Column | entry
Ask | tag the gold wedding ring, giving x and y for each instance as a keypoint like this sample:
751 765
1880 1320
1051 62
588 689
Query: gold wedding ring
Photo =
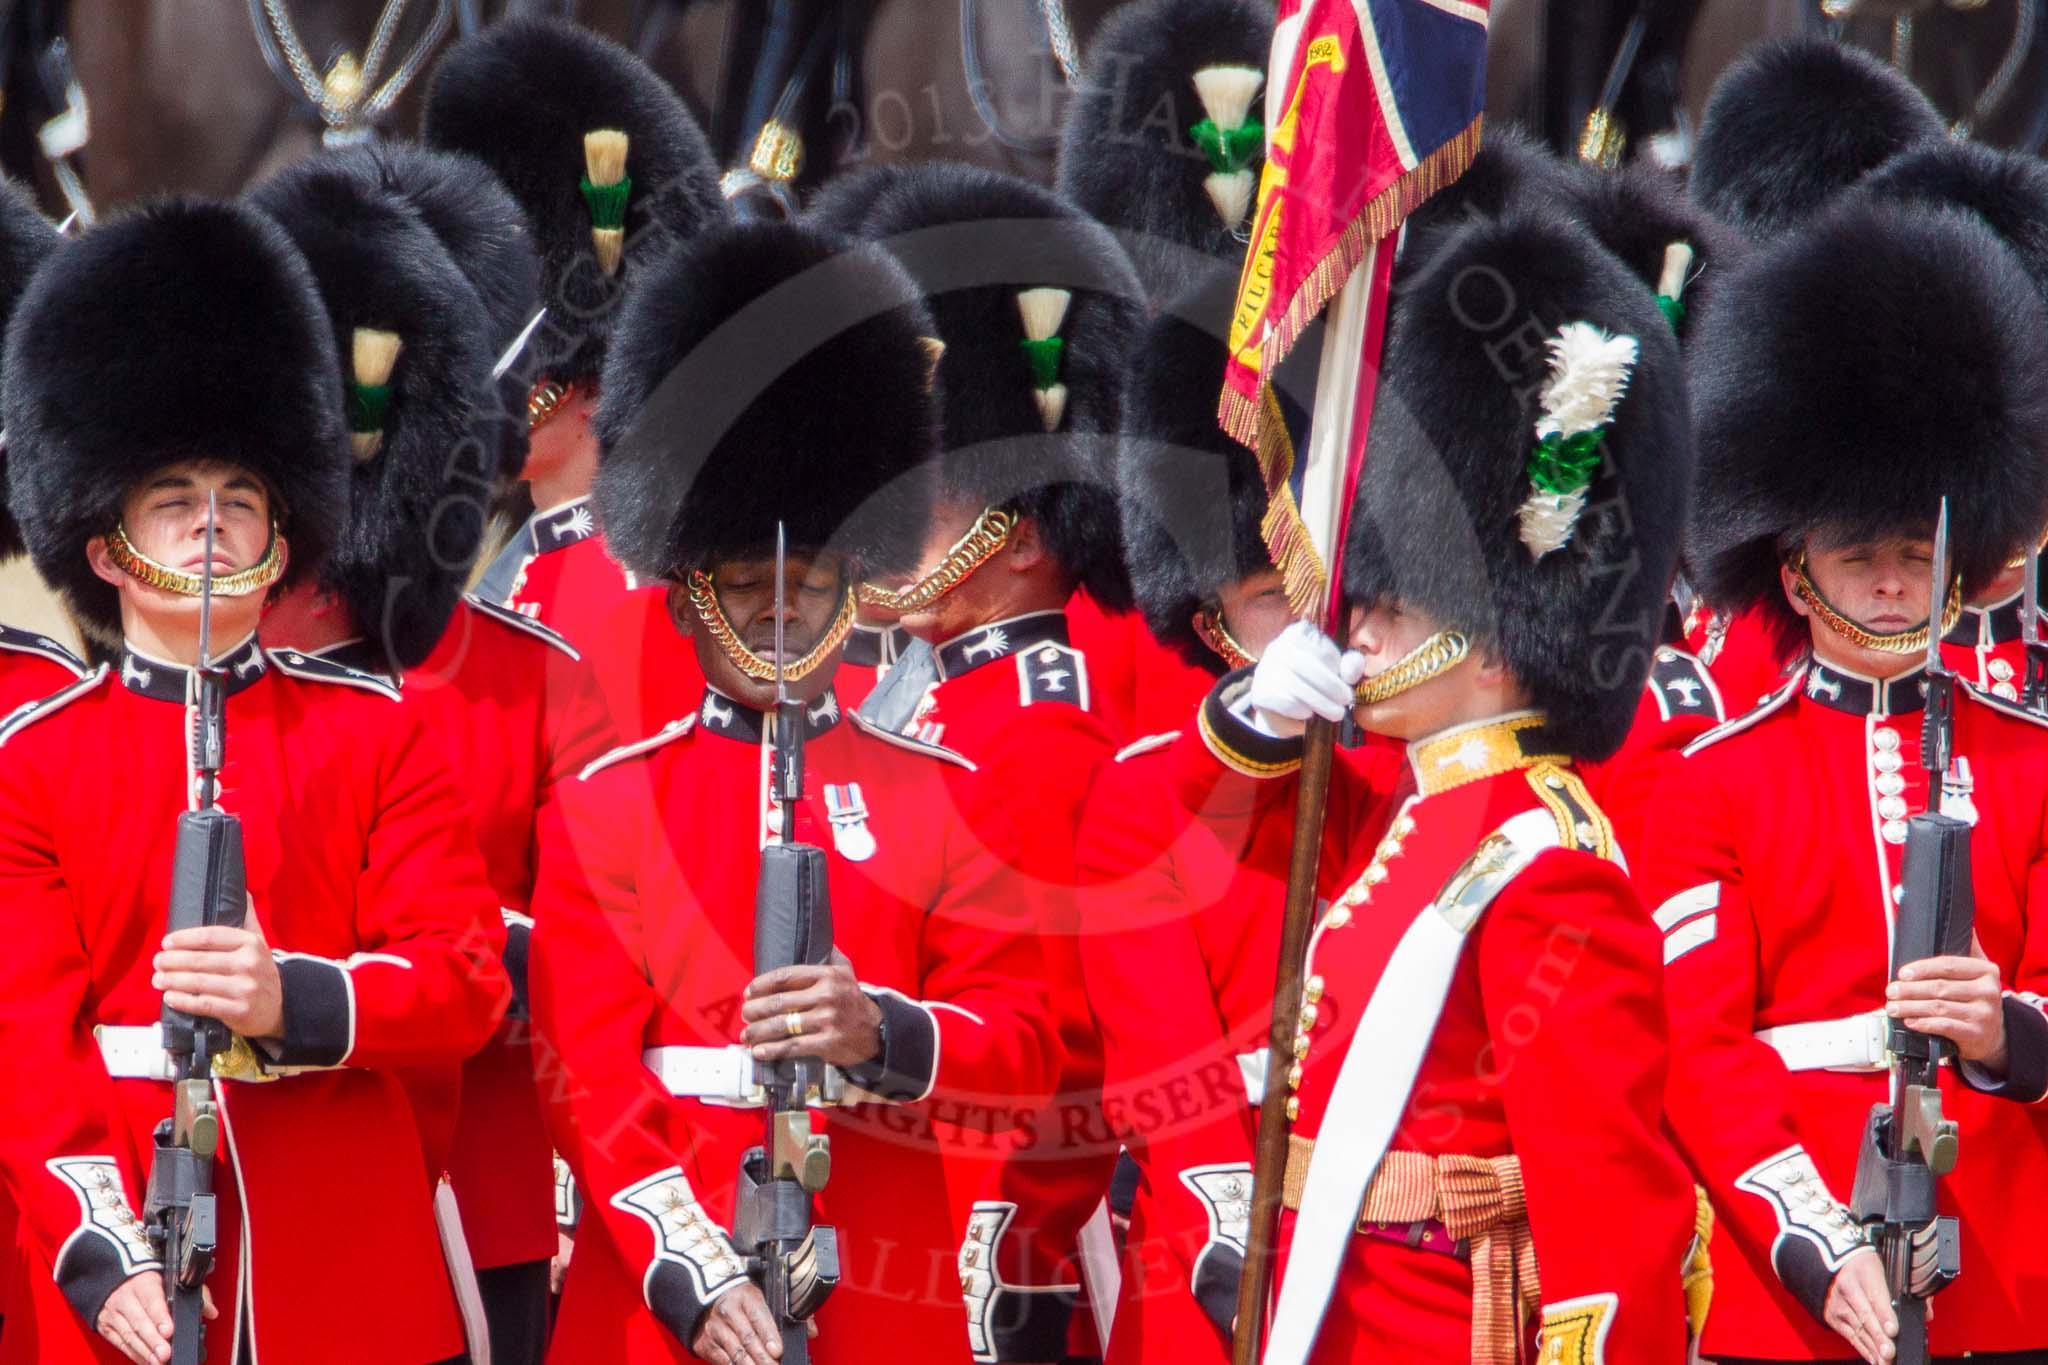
794 1022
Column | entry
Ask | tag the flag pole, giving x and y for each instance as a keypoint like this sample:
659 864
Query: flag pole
1348 365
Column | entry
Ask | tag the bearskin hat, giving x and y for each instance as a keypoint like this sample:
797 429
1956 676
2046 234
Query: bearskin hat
1029 427
1796 121
26 237
2007 190
768 373
520 97
183 329
424 472
1192 499
1849 378
1638 213
485 233
1162 141
1439 521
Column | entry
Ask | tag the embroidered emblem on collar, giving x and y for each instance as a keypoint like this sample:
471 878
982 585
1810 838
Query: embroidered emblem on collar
848 813
1843 691
564 527
1481 749
160 681
991 642
723 716
1000 639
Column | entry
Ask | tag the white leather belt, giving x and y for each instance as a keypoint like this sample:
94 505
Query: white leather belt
725 1075
1252 1066
1856 1043
135 1052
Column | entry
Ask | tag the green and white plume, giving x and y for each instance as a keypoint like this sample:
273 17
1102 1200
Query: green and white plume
1589 373
1231 139
1044 310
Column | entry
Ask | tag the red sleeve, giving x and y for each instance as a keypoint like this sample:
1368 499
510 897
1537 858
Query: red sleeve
67 1154
619 1130
1596 995
425 984
1728 1098
2023 967
1173 1092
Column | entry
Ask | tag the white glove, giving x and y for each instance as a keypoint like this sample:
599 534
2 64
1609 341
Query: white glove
1299 675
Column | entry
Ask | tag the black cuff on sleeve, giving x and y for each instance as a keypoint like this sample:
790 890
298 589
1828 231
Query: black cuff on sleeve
2026 1047
1804 1272
1031 1326
672 1295
910 1052
90 1269
1237 742
1216 1277
518 938
319 1015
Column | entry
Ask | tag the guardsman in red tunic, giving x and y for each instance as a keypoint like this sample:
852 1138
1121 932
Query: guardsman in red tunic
398 284
361 956
1026 516
1182 901
643 962
612 171
1477 1168
1832 424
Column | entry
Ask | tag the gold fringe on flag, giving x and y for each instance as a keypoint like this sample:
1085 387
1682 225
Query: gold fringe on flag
1386 211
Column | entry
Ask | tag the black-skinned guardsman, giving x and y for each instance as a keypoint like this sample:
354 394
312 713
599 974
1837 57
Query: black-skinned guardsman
361 954
1025 531
1907 340
1488 951
814 417
383 229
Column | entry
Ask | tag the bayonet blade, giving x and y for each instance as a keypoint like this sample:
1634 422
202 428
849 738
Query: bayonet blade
1937 602
2030 596
518 346
206 587
781 606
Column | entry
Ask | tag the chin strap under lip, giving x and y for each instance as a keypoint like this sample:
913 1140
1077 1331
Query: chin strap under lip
1434 656
1911 641
704 602
1212 631
258 577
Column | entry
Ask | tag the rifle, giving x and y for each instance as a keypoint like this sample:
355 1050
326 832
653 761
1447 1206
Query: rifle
795 1261
2034 692
1907 1142
206 888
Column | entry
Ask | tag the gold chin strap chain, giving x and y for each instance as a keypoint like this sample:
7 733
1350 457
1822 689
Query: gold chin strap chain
1209 626
140 567
704 601
1902 642
1435 655
990 532
544 400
